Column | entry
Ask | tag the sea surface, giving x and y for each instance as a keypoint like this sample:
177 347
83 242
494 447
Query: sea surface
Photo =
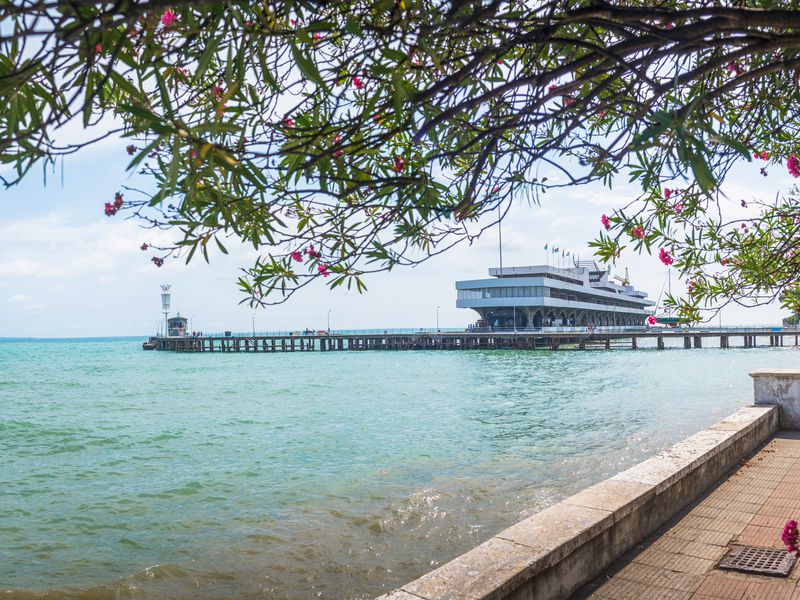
144 475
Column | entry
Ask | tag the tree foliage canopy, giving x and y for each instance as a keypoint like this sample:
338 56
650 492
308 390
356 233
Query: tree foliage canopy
350 136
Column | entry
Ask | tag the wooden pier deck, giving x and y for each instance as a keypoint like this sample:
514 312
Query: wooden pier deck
474 340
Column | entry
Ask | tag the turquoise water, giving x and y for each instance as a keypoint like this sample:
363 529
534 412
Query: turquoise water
328 475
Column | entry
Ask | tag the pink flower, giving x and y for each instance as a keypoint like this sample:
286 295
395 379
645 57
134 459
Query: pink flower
678 208
110 210
762 156
98 48
665 257
312 253
569 100
157 261
289 122
336 140
217 91
552 88
358 83
297 256
168 19
323 270
789 535
638 232
605 221
144 246
651 320
117 200
495 189
667 193
130 149
793 164
733 67
399 164
293 22
317 35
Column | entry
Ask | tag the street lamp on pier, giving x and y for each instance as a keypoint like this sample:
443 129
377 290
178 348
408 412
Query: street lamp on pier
254 324
437 318
329 321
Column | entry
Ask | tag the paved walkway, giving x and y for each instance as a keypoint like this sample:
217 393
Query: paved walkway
749 508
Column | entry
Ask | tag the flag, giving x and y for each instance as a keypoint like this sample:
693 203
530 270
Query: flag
567 253
555 249
545 246
562 254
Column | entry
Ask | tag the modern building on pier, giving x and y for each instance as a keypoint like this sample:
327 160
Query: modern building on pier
545 296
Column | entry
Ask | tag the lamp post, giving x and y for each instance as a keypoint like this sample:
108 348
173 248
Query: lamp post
254 324
437 318
165 298
329 321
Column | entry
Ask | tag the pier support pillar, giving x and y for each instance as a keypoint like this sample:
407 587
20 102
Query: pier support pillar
687 342
698 341
634 345
660 343
581 345
608 343
723 341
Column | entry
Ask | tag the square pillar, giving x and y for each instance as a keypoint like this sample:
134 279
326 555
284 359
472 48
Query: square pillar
779 387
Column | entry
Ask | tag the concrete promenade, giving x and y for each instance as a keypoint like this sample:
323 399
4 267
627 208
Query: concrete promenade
750 508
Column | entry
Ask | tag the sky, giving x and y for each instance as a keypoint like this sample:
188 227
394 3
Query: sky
67 270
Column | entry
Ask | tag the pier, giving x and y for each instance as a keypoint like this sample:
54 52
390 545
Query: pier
565 339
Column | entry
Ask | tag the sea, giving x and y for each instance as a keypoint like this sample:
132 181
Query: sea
150 475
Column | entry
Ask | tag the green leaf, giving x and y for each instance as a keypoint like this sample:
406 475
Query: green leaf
702 172
307 67
206 57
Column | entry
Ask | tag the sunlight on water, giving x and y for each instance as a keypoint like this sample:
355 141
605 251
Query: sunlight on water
290 476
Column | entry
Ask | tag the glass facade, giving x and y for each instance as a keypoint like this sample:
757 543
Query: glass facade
529 291
519 291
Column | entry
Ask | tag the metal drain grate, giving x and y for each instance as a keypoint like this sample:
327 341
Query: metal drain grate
763 561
